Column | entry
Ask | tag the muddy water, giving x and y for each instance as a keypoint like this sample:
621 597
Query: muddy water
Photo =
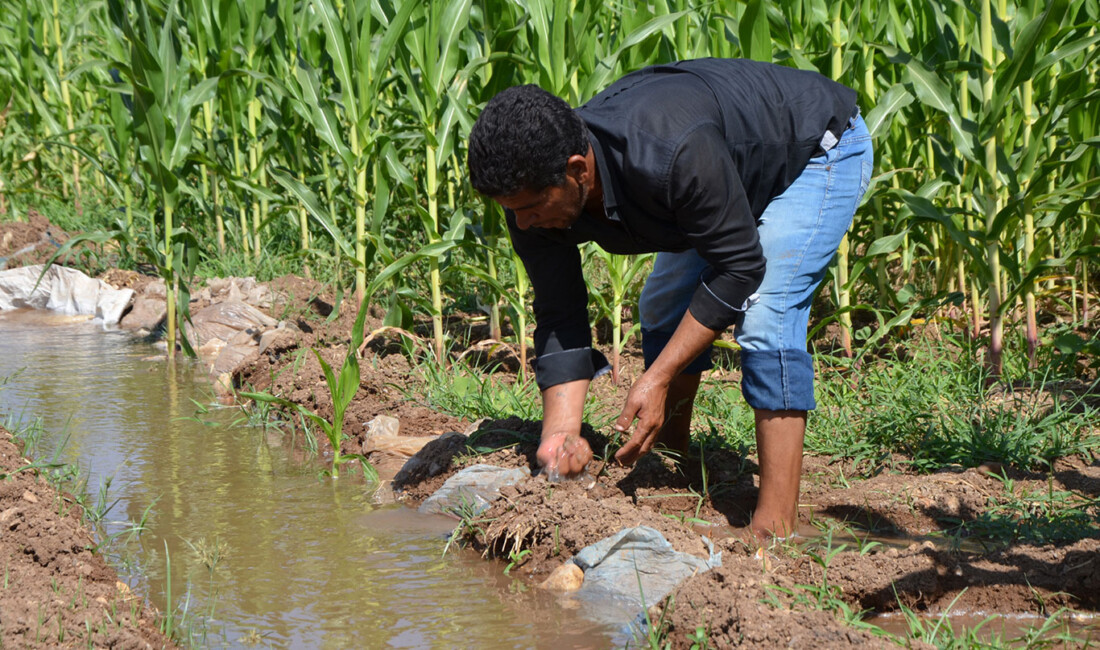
297 561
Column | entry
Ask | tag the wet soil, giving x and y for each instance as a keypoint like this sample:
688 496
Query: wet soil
57 591
774 601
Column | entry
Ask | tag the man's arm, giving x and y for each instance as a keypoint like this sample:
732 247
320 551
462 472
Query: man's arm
562 450
646 399
566 362
713 211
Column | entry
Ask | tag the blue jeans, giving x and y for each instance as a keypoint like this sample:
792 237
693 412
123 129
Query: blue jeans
800 231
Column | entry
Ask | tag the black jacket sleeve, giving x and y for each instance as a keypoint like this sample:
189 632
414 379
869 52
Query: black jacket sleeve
711 208
563 336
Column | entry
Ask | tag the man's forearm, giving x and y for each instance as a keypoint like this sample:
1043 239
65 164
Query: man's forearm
690 339
563 407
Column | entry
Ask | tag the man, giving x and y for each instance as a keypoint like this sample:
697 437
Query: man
745 177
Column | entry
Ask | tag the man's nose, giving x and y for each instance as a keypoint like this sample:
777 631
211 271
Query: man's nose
525 221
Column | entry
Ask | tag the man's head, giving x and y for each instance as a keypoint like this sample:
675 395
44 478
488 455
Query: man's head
524 146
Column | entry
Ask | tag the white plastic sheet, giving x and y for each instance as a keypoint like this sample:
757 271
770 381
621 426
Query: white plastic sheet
475 487
63 290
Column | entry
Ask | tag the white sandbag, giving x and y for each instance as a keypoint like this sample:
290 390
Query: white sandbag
63 290
225 320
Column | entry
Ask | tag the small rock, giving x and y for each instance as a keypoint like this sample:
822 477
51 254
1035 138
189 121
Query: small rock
243 337
950 505
146 314
7 514
29 496
384 425
567 577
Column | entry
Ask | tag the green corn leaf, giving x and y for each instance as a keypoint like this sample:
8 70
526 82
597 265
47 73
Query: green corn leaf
330 376
320 112
755 32
933 92
893 101
436 250
1021 64
887 244
607 67
338 51
313 207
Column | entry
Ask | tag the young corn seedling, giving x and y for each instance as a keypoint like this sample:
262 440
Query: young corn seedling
342 389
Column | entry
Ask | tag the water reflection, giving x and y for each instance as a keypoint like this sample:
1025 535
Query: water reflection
296 561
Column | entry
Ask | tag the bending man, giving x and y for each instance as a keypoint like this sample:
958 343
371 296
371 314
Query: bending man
744 176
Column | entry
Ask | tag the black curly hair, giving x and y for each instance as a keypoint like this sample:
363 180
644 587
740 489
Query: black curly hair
522 140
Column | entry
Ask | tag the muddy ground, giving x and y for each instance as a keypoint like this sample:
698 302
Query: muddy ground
898 539
918 562
57 591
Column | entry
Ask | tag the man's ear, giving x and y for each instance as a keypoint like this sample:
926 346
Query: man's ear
579 168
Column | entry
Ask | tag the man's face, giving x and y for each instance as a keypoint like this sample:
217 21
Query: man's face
557 206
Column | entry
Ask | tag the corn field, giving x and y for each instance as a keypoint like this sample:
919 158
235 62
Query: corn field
333 131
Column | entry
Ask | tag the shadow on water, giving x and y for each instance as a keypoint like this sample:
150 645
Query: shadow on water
259 547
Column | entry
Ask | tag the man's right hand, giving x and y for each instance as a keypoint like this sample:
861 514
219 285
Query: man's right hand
562 452
563 455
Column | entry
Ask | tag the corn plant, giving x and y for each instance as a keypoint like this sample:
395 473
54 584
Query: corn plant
164 103
342 389
430 64
624 276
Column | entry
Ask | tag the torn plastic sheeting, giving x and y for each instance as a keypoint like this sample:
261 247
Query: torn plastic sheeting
225 320
474 487
630 571
63 290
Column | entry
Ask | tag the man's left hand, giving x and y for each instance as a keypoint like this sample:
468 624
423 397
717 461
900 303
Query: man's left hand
645 403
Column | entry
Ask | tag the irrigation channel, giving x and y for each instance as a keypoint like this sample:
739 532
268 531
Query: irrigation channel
297 561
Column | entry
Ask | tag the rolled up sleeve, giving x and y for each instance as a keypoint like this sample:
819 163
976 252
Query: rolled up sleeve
563 336
713 211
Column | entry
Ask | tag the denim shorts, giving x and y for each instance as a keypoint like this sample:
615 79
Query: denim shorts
800 232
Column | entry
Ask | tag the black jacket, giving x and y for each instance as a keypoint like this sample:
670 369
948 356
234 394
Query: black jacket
689 155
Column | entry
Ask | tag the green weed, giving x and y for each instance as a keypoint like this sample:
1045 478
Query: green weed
470 523
516 557
472 394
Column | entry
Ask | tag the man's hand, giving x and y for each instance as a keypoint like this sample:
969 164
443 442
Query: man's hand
646 400
646 403
563 455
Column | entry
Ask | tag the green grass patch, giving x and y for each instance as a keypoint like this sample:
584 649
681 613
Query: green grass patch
935 406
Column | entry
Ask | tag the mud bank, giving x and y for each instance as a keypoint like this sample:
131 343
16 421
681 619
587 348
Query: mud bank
57 591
